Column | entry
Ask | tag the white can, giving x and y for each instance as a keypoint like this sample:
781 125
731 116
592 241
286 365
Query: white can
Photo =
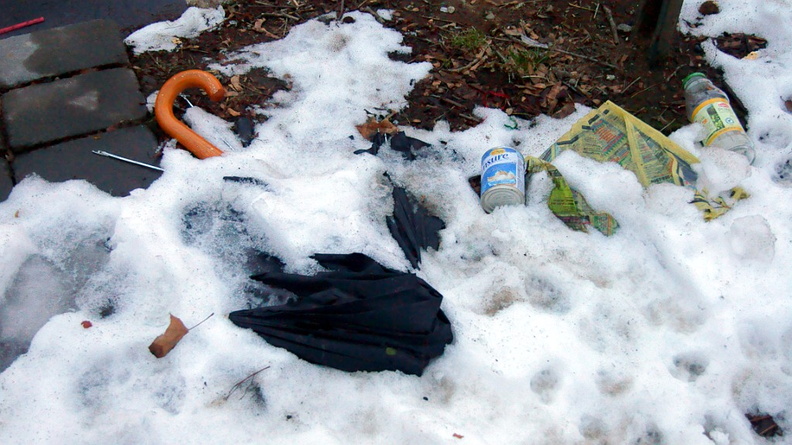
502 178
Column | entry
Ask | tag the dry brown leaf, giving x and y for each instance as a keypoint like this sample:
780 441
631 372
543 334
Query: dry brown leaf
236 83
788 105
258 26
565 111
233 112
373 127
163 344
551 100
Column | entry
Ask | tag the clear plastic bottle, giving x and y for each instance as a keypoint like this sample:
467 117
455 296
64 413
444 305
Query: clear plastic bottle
709 105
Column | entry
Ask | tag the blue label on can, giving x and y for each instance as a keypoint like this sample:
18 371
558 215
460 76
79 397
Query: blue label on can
502 166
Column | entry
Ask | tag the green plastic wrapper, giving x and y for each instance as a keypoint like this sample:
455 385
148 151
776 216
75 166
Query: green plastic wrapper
611 134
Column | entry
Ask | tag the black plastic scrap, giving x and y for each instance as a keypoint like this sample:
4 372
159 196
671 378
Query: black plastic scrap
413 227
245 129
400 142
358 316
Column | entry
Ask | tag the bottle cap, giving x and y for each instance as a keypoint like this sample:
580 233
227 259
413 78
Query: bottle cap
691 77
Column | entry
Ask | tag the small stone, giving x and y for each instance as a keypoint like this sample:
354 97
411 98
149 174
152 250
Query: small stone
623 27
610 77
490 16
709 8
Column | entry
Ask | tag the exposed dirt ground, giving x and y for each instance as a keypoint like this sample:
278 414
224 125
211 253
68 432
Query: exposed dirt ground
484 52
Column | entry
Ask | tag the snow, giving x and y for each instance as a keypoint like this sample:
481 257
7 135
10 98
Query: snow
667 332
165 35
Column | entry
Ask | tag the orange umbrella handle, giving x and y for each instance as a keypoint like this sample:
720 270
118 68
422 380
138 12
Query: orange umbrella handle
163 109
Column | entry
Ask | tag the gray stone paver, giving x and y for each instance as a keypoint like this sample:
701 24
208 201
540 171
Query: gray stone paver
128 14
75 160
6 183
58 51
70 107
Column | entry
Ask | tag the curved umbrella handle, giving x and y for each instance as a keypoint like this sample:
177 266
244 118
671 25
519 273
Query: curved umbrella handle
163 109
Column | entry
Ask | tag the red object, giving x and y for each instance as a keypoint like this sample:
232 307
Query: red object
86 324
21 25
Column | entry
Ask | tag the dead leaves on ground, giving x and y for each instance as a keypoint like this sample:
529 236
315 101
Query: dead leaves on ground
163 344
176 330
372 127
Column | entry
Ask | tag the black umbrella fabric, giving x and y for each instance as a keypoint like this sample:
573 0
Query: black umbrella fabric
358 316
413 228
400 142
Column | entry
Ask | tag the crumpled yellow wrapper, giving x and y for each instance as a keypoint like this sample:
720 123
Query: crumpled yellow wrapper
611 134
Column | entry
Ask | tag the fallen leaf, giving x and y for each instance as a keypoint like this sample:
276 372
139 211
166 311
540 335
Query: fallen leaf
458 436
257 26
236 83
788 105
551 100
233 112
86 324
163 344
565 111
373 127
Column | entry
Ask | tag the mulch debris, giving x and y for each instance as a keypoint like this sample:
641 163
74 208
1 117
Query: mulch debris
525 58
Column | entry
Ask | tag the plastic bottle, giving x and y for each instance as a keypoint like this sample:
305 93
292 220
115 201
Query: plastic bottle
709 105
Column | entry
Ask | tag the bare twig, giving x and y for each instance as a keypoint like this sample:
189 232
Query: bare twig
612 24
667 125
668 79
449 101
581 7
281 15
374 14
201 322
631 84
239 383
581 56
480 57
527 42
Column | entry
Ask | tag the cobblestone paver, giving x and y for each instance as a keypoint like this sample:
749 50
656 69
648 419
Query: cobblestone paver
75 160
71 107
65 92
58 51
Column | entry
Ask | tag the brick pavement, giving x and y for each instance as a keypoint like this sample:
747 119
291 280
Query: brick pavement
65 92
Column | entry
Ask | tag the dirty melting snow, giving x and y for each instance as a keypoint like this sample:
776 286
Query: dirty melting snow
667 332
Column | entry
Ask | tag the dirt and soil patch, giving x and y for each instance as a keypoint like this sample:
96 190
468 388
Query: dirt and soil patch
524 57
